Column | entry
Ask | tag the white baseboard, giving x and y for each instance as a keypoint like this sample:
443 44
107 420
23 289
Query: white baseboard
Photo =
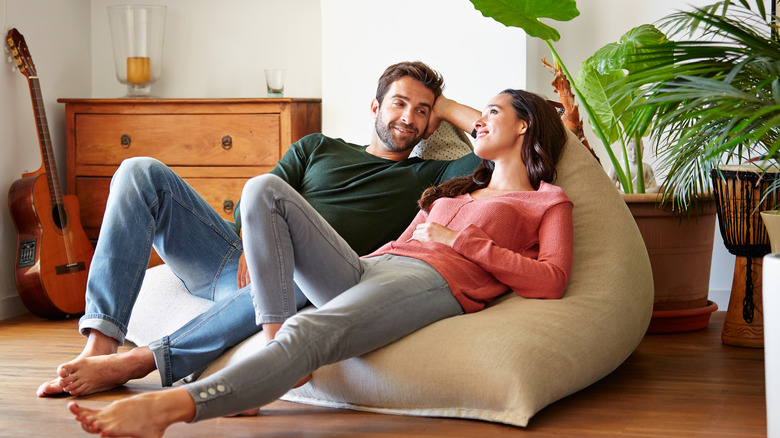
11 306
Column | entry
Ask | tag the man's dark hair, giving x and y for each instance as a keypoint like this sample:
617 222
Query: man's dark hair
417 70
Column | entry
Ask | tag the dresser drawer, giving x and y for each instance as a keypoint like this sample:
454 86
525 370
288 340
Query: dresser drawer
221 193
179 139
214 144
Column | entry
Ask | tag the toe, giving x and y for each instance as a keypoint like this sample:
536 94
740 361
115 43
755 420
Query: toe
49 388
74 408
76 388
64 370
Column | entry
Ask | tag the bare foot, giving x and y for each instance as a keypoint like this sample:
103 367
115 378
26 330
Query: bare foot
143 415
51 387
247 413
89 375
98 344
303 381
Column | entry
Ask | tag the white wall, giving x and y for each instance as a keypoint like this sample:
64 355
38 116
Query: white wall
212 49
57 34
220 48
360 38
601 22
334 49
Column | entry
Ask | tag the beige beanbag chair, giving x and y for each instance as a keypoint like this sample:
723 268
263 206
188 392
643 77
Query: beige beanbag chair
510 360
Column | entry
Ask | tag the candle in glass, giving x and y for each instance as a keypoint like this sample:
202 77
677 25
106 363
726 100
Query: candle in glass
138 70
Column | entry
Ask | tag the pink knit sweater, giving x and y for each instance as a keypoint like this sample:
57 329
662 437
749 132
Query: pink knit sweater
520 241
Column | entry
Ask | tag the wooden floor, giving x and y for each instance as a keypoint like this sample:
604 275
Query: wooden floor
680 385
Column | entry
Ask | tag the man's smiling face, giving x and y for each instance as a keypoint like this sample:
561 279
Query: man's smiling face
403 116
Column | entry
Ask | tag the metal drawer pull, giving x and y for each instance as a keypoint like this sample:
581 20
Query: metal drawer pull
227 206
126 141
227 142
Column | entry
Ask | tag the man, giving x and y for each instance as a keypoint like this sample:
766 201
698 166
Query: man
368 194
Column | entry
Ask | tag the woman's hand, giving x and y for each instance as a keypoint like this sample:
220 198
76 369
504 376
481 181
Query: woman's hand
242 277
433 232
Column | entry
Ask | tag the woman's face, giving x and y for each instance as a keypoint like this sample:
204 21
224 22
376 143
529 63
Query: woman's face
499 131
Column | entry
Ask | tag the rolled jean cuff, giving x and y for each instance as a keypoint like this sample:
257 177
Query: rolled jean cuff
103 324
162 359
270 319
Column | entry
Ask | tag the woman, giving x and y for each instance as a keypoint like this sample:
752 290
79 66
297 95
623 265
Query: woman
505 227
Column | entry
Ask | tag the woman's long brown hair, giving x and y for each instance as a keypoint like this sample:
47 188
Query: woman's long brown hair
542 147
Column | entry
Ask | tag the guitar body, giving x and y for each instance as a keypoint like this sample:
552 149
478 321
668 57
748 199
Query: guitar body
53 252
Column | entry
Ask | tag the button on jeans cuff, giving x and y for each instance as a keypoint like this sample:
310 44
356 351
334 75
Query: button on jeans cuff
209 392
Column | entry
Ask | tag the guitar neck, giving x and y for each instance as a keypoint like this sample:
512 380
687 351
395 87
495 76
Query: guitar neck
47 152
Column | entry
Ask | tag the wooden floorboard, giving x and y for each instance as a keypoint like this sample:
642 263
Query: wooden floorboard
679 385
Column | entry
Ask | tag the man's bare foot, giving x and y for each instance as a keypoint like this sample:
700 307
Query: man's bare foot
143 415
51 387
303 381
98 344
89 375
247 413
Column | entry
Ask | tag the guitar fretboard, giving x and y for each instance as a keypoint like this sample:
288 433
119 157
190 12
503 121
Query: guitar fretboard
47 153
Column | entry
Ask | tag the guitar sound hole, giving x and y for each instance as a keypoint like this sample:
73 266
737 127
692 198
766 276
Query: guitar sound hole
59 216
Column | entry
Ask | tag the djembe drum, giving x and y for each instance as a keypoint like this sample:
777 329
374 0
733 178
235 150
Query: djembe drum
738 192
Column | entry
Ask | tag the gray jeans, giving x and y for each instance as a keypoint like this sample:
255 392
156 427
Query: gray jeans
362 304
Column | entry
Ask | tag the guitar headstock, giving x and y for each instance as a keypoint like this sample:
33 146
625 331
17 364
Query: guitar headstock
20 53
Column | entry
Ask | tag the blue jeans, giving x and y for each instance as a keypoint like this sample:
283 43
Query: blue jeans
149 205
362 304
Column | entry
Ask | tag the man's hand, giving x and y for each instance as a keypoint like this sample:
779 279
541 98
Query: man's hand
433 232
462 116
242 277
437 112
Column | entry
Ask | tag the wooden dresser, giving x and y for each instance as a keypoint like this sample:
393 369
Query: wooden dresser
214 144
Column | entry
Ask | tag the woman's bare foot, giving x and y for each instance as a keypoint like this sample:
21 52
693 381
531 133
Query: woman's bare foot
98 344
89 375
143 415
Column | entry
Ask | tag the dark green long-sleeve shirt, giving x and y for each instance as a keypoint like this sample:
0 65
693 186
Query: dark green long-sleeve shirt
368 200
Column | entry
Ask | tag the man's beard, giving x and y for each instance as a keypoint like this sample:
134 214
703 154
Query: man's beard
384 132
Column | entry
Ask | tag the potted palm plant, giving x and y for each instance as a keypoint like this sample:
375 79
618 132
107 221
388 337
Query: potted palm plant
680 250
714 98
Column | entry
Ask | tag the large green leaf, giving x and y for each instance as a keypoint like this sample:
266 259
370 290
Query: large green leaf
617 56
594 87
608 65
526 14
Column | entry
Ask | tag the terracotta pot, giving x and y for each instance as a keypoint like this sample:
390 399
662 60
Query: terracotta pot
680 250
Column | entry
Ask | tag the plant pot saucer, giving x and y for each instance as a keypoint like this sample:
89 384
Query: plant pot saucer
685 320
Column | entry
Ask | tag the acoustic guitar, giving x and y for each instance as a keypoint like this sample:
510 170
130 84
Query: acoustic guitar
53 252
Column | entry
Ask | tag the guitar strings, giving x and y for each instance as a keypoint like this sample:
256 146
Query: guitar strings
51 167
